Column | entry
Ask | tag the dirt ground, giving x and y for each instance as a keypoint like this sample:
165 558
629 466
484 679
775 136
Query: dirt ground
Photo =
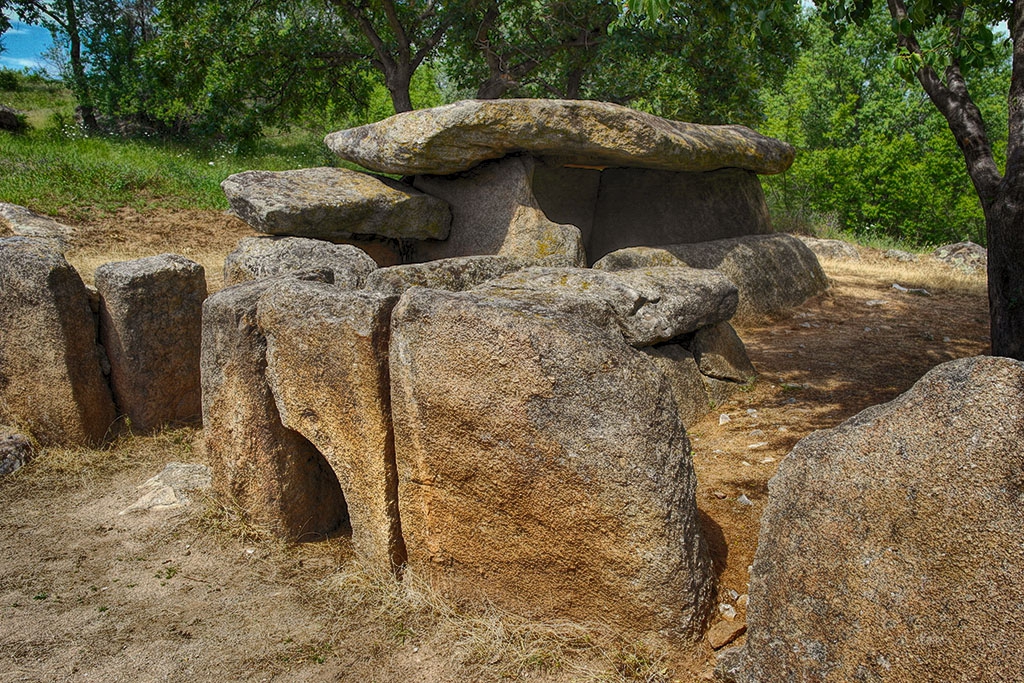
195 594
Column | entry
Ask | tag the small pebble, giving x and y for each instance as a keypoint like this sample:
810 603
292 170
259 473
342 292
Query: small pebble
759 444
767 459
747 464
733 595
756 433
723 418
727 611
751 411
743 601
743 500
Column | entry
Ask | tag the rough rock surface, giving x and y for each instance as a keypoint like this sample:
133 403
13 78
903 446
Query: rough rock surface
327 364
257 257
270 472
542 464
689 386
720 354
15 451
901 256
151 325
51 381
171 488
453 274
458 136
773 272
891 547
494 211
637 207
11 119
26 223
967 256
833 249
649 306
334 203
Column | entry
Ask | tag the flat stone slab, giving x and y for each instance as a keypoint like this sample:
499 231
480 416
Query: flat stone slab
457 137
26 223
334 203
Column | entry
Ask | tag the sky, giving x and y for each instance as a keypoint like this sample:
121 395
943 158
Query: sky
23 46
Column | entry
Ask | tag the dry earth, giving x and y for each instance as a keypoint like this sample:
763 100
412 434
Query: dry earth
197 595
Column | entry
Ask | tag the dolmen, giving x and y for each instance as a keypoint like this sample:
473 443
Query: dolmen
421 354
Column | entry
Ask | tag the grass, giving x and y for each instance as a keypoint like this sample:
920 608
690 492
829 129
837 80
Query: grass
56 168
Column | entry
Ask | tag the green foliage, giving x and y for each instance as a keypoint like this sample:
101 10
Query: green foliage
9 80
874 157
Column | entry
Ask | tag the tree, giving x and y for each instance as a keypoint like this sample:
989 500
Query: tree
939 42
64 19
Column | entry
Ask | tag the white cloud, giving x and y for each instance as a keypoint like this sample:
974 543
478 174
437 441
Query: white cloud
20 63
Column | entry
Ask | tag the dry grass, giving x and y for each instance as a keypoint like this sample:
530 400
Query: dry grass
928 273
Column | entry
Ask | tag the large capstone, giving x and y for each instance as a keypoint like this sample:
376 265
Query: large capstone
454 274
51 367
151 325
334 204
891 546
457 137
542 463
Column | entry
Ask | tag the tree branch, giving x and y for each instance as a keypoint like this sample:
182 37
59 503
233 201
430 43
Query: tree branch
953 100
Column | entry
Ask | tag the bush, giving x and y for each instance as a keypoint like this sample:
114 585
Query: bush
9 80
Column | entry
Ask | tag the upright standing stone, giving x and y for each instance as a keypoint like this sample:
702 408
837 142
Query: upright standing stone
542 463
494 211
272 473
51 378
151 326
327 355
891 548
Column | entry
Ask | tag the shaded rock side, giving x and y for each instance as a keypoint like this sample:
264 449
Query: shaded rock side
720 354
457 137
151 326
891 546
637 207
773 272
453 274
494 211
648 306
542 464
51 378
334 204
689 387
271 473
327 354
257 257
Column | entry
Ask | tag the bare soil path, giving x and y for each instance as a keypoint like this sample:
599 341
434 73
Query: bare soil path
194 594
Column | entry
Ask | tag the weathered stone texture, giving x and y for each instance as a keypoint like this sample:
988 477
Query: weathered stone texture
26 223
720 354
494 211
453 274
15 451
773 272
648 306
151 326
270 472
51 381
891 546
457 137
542 463
257 257
833 249
327 354
334 204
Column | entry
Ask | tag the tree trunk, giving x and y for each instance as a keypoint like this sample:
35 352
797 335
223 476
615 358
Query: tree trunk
494 87
1004 221
79 81
398 81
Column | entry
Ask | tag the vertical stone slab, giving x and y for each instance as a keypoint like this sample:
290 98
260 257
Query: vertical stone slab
276 476
494 211
151 326
327 354
542 464
639 207
51 378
